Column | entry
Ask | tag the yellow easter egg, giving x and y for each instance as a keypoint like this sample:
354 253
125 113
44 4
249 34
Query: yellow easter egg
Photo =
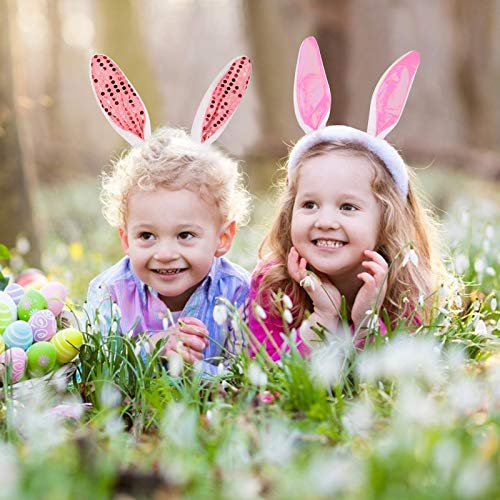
67 343
2 345
5 316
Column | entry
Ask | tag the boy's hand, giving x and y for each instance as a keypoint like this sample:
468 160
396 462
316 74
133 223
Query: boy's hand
374 286
189 338
324 295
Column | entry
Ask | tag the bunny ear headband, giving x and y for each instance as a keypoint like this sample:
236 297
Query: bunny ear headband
312 102
125 111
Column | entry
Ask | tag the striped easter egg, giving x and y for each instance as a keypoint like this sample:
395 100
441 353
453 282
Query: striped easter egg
2 344
5 316
18 334
44 325
67 343
41 358
30 302
16 359
5 298
15 291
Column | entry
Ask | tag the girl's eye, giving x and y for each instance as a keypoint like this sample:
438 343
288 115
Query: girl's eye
310 205
348 207
185 235
146 236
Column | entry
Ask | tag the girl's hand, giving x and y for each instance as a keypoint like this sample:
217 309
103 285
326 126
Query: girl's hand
189 338
324 295
374 286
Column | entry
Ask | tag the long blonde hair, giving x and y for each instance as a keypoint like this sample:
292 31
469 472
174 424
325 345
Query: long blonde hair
401 224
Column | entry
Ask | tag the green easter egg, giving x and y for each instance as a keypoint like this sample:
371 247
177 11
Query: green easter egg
41 358
30 302
67 343
5 317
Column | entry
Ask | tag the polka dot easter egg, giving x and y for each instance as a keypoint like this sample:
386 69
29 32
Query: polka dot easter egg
14 361
5 298
44 325
67 343
15 291
41 358
18 334
55 293
30 302
5 316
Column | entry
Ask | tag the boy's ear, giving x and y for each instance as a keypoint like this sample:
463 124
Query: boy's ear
123 238
226 239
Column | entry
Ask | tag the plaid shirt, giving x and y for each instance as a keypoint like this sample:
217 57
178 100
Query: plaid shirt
141 310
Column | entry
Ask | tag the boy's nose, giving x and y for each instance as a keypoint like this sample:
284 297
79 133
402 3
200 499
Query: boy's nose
166 253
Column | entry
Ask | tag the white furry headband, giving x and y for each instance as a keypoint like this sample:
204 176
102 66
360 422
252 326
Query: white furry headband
126 113
312 102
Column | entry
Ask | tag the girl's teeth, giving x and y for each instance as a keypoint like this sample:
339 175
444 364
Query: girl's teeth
329 243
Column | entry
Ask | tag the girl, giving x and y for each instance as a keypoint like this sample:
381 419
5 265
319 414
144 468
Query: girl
347 212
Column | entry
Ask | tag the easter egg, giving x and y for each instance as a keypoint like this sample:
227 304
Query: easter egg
15 291
55 293
41 358
67 343
30 302
5 316
18 334
16 359
31 278
2 344
44 325
5 298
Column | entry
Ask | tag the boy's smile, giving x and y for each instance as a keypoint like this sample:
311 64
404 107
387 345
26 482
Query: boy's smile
172 238
335 215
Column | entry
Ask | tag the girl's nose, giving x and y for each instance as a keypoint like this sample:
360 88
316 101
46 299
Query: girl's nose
326 221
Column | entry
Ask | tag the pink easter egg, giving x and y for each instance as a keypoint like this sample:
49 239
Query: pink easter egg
31 278
55 293
15 291
43 324
16 358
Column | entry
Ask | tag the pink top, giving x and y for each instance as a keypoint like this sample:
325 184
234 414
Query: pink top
269 331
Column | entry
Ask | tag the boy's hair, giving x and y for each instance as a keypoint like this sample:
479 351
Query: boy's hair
400 224
171 159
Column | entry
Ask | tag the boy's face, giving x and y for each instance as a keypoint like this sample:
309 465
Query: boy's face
171 238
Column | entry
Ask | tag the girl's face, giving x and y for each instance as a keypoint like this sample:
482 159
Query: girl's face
335 214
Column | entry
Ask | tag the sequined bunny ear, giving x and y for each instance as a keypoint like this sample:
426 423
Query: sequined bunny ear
221 100
390 95
118 100
311 95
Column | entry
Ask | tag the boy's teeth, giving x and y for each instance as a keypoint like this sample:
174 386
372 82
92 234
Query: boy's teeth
167 271
329 243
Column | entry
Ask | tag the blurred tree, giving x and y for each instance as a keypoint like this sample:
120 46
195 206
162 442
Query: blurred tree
16 217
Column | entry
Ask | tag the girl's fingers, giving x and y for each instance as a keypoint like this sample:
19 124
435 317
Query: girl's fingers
194 342
374 268
295 266
367 278
375 256
193 326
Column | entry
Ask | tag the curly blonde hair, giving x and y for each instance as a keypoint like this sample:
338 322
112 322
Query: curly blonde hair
171 159
401 224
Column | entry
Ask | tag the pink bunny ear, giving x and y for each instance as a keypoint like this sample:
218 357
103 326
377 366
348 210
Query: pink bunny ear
311 96
119 101
221 100
390 95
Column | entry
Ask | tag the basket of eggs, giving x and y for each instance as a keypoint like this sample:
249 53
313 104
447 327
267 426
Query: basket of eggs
37 341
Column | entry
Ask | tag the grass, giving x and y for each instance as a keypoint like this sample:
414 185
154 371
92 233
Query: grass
411 416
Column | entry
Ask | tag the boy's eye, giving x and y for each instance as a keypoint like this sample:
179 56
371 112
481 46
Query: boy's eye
185 235
348 207
146 236
310 205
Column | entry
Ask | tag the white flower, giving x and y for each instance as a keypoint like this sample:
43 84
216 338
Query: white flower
493 304
175 364
221 369
287 315
481 329
287 301
259 312
308 282
326 364
23 246
412 257
220 314
116 311
458 301
461 263
479 265
476 305
165 323
490 232
420 300
114 326
490 271
256 376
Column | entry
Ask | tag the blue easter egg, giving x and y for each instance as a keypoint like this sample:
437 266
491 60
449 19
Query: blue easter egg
18 334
